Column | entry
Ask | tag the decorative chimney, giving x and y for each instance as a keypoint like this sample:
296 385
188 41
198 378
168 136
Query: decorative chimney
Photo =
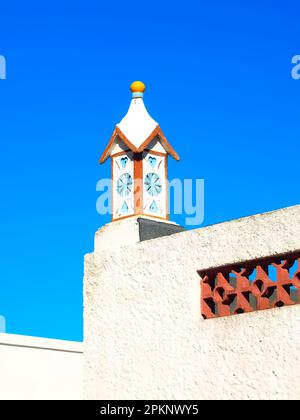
139 153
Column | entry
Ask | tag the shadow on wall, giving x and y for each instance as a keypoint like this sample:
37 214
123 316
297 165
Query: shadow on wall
2 324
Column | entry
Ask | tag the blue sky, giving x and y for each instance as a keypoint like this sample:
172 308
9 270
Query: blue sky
218 78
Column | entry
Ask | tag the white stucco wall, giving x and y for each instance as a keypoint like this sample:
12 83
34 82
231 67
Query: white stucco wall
144 334
36 368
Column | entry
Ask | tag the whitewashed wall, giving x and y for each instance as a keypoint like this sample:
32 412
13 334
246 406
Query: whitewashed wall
35 368
144 335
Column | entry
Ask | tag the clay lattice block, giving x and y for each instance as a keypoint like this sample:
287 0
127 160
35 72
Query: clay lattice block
251 286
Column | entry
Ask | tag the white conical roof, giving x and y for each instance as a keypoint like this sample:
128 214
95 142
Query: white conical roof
137 129
137 125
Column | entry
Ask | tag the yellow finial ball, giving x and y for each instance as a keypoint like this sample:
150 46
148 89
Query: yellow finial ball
138 87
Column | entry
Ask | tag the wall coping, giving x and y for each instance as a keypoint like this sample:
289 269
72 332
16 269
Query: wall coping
237 241
40 343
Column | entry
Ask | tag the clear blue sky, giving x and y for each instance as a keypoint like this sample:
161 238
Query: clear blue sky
218 78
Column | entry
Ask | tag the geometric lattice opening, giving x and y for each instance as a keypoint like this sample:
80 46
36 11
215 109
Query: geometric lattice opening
254 285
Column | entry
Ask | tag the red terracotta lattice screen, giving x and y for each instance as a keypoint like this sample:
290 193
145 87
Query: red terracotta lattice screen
251 286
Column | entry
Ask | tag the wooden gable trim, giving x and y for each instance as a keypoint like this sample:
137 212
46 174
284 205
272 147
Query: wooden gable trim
158 132
167 145
117 133
154 152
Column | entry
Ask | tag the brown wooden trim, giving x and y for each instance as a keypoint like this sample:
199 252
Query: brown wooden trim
158 132
117 133
105 153
148 140
123 217
138 182
125 152
155 217
140 215
126 141
155 153
167 189
167 145
112 188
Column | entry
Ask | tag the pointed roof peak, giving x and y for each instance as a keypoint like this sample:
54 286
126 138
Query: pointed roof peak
137 129
137 125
